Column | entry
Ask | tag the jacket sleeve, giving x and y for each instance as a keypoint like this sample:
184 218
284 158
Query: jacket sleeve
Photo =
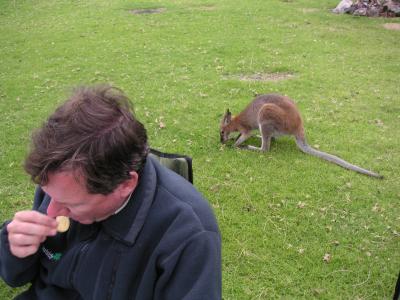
13 270
193 270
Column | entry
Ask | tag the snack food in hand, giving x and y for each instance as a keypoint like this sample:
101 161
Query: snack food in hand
63 223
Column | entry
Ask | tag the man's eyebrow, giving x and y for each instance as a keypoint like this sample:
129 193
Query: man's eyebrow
70 204
58 201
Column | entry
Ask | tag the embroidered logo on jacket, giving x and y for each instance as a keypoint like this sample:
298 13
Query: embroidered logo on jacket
50 255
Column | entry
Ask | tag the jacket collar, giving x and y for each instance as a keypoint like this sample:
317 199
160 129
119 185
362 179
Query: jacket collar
127 224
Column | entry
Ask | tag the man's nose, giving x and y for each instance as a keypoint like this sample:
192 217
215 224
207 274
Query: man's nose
55 209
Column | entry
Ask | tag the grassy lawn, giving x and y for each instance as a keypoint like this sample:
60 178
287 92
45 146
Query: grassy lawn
280 213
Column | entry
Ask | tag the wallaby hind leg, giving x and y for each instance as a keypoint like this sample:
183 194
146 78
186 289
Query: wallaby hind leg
260 137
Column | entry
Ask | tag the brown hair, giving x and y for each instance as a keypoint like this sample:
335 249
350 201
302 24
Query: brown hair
95 133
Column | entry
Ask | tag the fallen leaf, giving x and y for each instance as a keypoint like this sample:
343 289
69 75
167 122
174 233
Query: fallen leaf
161 125
327 258
375 208
301 204
318 291
215 188
336 243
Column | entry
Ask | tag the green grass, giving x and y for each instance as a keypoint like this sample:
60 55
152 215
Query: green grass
279 212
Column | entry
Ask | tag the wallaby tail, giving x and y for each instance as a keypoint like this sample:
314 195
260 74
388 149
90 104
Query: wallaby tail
302 144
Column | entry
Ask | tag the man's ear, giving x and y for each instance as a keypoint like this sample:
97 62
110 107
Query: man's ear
126 187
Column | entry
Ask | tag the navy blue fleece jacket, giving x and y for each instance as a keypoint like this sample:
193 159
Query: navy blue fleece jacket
165 244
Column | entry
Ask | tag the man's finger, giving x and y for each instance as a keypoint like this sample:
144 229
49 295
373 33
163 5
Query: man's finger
25 251
31 216
31 229
22 240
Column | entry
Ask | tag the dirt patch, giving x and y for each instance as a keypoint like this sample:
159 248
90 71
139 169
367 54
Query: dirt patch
309 10
392 26
262 77
147 11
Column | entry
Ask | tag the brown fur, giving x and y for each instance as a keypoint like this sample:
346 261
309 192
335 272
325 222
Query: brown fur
275 115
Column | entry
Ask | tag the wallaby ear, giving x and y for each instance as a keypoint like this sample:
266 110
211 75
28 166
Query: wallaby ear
227 117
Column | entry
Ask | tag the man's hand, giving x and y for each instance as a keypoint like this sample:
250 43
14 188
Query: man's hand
28 230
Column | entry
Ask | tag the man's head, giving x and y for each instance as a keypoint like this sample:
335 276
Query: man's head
93 135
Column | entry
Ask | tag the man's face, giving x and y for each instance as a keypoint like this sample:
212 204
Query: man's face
70 198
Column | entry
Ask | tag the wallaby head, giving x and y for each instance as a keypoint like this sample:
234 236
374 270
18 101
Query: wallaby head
224 130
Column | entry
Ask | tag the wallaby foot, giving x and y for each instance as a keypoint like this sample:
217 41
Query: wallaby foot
251 148
254 148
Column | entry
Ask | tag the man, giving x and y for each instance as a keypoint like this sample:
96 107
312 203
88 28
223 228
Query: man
138 230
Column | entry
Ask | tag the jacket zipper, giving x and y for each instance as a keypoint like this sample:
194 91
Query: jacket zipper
116 261
81 251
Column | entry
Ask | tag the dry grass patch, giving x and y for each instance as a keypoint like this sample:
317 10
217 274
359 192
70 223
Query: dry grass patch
392 26
309 10
262 77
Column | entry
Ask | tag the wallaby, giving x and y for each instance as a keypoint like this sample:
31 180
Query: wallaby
275 115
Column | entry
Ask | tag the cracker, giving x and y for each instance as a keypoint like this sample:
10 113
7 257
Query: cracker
63 223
